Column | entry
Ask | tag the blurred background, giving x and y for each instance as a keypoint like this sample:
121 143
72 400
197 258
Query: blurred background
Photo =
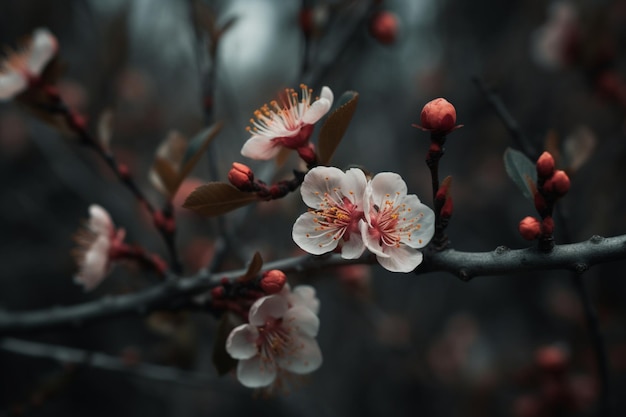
393 344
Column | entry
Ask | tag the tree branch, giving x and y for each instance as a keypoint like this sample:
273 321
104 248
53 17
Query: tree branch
175 294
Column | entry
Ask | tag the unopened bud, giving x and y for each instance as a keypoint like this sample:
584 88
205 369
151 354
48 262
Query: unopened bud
384 27
241 176
124 171
545 165
446 210
552 358
561 183
438 115
217 292
529 228
307 153
540 203
547 226
273 281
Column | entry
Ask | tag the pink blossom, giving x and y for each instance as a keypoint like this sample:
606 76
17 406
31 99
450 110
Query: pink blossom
396 224
278 336
95 244
22 67
336 202
288 124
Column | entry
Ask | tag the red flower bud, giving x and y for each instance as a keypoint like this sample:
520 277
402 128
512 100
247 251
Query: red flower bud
217 292
273 281
552 358
384 27
241 176
540 202
307 153
124 171
446 210
547 226
545 165
438 115
561 183
529 228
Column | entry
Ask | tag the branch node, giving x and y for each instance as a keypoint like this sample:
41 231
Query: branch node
501 250
581 267
596 239
464 275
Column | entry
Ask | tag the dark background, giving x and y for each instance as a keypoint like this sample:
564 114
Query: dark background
397 344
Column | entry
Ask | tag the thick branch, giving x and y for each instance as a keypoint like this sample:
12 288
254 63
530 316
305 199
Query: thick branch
176 293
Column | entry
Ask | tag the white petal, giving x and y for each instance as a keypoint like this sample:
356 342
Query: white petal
420 214
100 221
307 356
301 319
43 47
372 243
353 186
272 306
319 108
95 264
241 342
386 185
353 247
304 295
11 84
255 372
260 147
310 240
327 93
401 259
318 181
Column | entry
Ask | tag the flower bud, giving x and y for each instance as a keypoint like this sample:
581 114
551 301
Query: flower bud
446 210
540 202
273 281
561 183
241 176
384 27
438 115
529 228
547 226
552 358
545 165
307 153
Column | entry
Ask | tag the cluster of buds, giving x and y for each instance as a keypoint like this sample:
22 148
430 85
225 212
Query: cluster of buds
242 177
552 184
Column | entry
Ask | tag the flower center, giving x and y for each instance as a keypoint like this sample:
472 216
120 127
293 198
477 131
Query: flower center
274 340
338 215
390 223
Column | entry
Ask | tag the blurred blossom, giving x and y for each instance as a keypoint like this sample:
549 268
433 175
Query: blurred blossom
554 44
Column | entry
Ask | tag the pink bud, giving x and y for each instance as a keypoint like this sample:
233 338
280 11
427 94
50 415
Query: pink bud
547 226
529 228
241 176
384 27
446 210
438 115
273 281
561 183
545 165
551 358
307 153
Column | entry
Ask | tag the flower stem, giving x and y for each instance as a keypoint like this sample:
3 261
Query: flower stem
435 152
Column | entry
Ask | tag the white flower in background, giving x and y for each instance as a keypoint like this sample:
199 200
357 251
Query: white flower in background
95 244
396 224
554 45
287 124
336 202
277 337
302 295
18 69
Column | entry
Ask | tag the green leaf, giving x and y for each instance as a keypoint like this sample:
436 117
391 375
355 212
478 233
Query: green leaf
221 359
197 147
254 268
336 125
217 198
522 171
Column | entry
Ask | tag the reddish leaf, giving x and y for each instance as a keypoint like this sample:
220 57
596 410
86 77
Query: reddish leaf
217 198
336 125
197 147
282 156
254 268
167 179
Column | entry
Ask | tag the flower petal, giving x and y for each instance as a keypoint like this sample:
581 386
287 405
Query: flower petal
318 181
304 295
319 108
353 247
301 319
306 357
272 306
43 47
260 147
256 372
400 259
387 185
100 221
353 186
420 220
94 264
241 342
310 240
371 241
11 84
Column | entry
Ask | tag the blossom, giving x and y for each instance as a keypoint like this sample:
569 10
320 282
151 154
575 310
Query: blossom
277 337
288 124
96 243
20 68
555 45
302 295
336 202
396 224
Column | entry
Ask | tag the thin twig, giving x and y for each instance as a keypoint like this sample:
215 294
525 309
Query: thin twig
175 294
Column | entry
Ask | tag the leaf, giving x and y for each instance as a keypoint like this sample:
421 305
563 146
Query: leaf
254 268
197 147
521 170
336 125
168 178
578 148
217 198
173 148
282 156
221 359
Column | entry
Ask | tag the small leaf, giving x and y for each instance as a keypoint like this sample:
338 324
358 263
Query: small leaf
336 125
521 170
282 156
254 268
197 147
221 359
578 147
173 148
217 198
167 179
